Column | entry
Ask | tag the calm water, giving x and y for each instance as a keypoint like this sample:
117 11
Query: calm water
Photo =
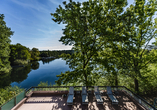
34 73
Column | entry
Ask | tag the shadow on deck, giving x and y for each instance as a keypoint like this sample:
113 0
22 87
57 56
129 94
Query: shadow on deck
56 101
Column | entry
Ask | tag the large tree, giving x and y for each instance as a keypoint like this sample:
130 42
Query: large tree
136 29
87 30
35 54
5 34
79 32
19 53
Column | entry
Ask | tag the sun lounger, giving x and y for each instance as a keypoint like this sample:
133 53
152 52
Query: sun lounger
84 95
70 96
111 96
98 95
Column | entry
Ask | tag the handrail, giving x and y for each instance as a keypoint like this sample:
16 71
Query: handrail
141 98
137 98
100 87
14 97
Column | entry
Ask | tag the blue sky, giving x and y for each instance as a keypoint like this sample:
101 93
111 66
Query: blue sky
32 25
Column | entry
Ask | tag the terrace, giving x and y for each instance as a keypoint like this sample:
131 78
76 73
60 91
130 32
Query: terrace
55 98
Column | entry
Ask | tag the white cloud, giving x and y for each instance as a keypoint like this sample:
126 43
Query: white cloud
55 2
31 5
50 31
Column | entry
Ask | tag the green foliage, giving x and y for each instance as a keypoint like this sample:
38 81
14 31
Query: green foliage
139 30
8 92
107 39
5 34
54 53
82 33
44 84
19 54
35 54
20 62
148 81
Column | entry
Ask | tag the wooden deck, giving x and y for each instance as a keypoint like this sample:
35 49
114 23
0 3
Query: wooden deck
58 102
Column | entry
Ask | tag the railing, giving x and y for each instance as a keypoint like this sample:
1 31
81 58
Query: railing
20 96
56 88
12 102
155 102
137 98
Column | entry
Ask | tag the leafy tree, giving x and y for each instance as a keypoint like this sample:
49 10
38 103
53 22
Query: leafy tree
44 54
136 30
13 54
82 32
101 26
88 31
109 28
35 54
5 34
19 54
23 52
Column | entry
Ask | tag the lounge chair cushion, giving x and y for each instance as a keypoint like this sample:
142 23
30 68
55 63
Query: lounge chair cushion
99 99
84 91
84 98
70 99
96 90
109 91
113 99
71 90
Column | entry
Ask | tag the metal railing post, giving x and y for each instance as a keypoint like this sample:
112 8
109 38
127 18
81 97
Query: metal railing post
14 101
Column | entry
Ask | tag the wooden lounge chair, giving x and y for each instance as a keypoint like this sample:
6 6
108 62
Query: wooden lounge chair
84 95
70 96
111 96
98 95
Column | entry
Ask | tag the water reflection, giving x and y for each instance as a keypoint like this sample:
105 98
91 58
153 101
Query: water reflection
35 65
5 80
18 74
35 72
47 60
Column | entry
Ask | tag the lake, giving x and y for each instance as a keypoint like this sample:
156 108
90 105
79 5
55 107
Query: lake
34 73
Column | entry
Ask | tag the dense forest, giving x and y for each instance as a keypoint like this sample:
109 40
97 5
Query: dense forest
110 44
54 53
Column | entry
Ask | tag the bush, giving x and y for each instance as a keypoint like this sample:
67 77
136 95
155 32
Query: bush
20 62
8 92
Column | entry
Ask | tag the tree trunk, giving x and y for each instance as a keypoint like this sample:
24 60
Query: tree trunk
116 80
136 86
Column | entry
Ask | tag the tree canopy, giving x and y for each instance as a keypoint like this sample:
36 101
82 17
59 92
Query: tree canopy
5 34
35 54
103 33
84 31
19 53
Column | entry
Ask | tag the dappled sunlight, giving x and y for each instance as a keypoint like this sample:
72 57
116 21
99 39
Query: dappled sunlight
58 101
